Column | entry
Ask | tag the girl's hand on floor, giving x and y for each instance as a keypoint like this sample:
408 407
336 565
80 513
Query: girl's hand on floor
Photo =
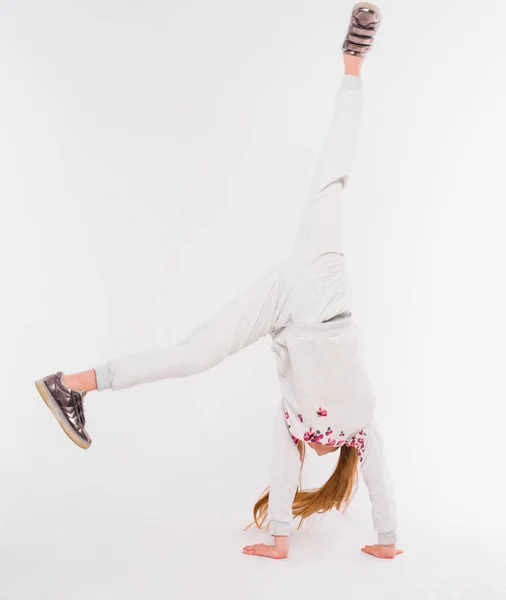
382 551
279 550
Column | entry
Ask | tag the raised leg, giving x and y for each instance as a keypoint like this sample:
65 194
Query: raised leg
320 229
314 267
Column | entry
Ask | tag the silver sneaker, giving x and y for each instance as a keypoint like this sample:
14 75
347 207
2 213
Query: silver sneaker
67 406
364 22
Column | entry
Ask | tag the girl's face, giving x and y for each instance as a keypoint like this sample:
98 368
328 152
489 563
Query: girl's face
322 449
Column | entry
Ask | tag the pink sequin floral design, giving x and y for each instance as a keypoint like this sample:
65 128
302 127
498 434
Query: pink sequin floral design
330 441
300 417
313 436
358 442
321 412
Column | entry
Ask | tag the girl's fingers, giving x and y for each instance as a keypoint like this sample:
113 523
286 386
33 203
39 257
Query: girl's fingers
261 550
253 548
371 550
377 551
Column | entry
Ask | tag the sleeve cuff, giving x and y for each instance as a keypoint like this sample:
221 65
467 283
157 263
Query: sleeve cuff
279 528
387 537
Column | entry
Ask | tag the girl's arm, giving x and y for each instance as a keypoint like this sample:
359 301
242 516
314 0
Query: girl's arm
381 492
285 471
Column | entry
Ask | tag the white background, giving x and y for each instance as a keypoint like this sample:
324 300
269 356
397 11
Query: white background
154 160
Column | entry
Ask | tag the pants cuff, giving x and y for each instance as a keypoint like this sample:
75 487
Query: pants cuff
351 81
103 376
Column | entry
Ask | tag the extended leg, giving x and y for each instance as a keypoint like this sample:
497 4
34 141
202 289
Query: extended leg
259 309
318 250
320 229
315 266
252 314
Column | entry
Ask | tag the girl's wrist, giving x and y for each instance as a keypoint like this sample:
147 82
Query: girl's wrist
281 544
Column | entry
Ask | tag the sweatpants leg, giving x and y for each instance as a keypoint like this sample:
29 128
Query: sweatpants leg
309 286
253 313
315 266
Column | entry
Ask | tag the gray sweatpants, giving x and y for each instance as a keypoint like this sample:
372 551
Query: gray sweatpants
309 286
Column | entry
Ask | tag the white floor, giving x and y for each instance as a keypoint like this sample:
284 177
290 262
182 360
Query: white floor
94 546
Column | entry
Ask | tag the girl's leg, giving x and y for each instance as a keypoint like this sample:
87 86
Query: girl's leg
252 314
314 270
315 265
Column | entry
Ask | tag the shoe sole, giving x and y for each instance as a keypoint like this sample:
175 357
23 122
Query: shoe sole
367 5
55 409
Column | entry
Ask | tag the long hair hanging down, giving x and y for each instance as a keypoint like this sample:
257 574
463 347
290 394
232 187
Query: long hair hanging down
334 493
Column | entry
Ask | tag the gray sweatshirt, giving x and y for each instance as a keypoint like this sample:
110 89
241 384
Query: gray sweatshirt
326 398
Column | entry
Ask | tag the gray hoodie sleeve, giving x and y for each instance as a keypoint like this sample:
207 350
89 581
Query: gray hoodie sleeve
285 471
379 484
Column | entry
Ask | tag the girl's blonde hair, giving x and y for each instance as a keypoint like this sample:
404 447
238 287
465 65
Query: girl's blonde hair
334 493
